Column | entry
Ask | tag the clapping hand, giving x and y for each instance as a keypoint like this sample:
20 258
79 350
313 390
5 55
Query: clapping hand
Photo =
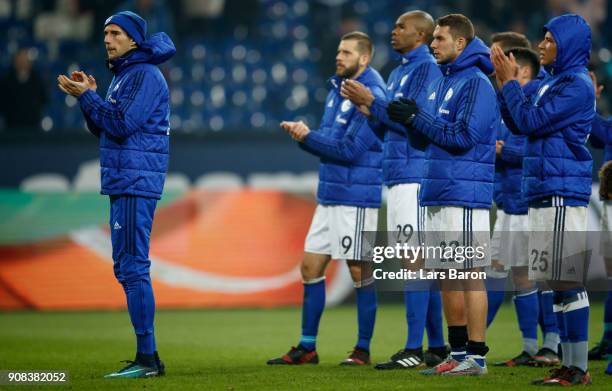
402 111
297 130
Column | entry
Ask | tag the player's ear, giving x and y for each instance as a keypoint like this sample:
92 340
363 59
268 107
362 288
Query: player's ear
364 60
460 43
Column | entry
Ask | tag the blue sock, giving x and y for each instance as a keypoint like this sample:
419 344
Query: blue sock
526 305
141 306
494 302
366 314
565 345
496 290
312 309
435 332
576 316
547 318
416 300
607 335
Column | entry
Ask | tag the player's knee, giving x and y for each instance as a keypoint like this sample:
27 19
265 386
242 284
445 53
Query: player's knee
134 269
311 271
520 278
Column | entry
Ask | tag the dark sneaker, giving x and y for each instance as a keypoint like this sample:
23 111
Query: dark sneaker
161 368
523 359
404 359
553 373
570 377
609 368
435 356
445 366
139 368
357 357
601 351
296 356
546 358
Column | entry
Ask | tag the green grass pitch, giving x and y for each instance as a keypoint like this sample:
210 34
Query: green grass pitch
227 350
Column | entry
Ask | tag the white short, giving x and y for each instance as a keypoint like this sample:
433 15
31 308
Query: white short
605 244
500 225
336 230
515 241
459 227
405 218
557 243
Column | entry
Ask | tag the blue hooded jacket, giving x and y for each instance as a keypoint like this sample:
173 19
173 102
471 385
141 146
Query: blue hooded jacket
601 136
558 119
350 172
460 118
404 157
133 122
511 162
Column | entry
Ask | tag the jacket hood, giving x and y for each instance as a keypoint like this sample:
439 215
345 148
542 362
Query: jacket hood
573 38
157 49
368 76
475 54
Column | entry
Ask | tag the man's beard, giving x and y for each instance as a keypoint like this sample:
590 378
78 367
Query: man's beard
348 72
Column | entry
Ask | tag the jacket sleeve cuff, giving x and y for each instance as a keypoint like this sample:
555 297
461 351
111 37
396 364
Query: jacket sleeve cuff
313 140
511 155
512 94
377 109
422 121
88 100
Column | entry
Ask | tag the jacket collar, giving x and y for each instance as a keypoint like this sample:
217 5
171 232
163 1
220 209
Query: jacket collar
421 52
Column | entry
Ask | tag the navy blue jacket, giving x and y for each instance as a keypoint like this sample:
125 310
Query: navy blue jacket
511 163
558 119
404 156
460 119
351 154
601 136
132 123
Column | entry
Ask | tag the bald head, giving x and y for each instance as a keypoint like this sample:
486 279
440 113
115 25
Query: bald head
423 22
412 29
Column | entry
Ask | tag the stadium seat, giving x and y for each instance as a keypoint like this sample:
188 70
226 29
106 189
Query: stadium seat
177 182
45 182
87 177
219 181
283 181
307 182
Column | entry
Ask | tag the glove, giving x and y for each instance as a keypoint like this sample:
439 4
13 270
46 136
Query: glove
605 181
402 111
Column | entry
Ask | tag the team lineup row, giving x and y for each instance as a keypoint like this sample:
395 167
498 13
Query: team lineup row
441 135
454 129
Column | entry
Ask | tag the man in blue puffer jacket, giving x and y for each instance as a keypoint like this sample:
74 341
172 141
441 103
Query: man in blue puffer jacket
132 124
460 119
349 195
515 234
557 177
402 174
601 138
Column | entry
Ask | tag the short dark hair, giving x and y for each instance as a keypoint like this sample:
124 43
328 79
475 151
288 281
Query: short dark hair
510 39
459 26
364 43
527 57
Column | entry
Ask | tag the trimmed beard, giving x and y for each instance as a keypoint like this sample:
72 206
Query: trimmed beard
349 72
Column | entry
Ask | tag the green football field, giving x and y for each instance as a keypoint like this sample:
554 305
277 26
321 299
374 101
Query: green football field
227 350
